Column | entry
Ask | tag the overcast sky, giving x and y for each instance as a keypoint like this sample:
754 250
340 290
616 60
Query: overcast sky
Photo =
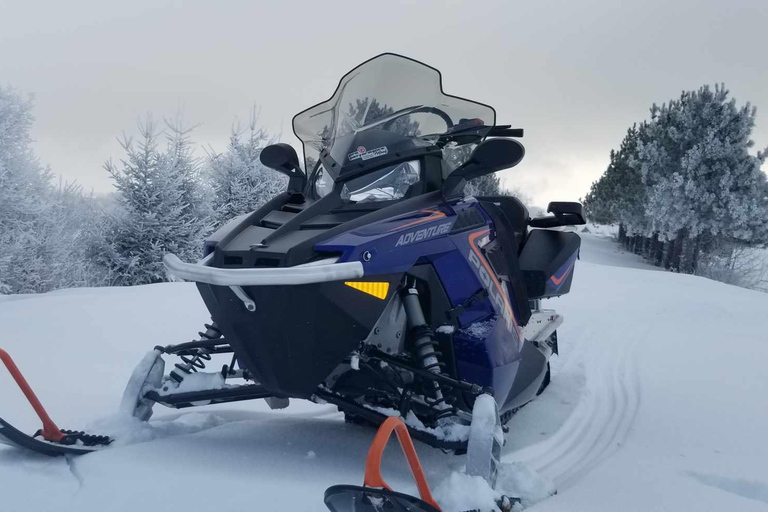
575 75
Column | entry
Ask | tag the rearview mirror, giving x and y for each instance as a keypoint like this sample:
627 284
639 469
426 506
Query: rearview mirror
283 158
564 214
489 156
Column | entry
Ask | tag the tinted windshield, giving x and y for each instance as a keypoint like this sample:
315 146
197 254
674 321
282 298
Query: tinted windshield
392 100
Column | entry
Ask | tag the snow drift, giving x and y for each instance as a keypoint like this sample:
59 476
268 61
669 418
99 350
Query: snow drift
657 403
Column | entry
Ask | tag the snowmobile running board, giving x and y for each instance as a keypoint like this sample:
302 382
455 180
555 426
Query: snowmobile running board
50 440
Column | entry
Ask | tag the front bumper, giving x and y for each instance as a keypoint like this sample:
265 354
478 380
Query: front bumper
321 271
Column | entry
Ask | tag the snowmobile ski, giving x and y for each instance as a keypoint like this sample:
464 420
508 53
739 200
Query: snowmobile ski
81 443
50 440
375 493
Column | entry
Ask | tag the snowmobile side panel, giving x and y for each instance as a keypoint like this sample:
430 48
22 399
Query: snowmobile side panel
12 436
528 378
503 256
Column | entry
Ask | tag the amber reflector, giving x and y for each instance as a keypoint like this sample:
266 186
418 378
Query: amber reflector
378 290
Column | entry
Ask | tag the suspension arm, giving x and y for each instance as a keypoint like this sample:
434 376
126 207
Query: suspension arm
375 353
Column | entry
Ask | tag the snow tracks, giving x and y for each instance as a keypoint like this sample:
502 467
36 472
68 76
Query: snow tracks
604 415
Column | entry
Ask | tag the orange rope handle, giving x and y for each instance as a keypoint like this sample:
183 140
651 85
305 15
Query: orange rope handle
373 476
50 431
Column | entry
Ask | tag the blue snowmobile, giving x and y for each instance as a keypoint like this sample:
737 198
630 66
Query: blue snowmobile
374 282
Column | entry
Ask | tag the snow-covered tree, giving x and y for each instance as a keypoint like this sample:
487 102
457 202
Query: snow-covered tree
45 230
700 178
183 163
618 196
157 191
240 183
685 180
487 185
24 189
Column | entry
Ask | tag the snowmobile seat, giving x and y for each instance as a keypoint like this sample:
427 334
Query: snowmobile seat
515 212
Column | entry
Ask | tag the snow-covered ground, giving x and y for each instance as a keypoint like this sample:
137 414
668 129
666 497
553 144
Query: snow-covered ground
658 402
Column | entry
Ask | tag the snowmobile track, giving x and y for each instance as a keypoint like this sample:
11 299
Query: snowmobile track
599 424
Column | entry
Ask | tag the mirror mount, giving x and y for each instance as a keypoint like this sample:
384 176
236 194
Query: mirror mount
283 158
489 156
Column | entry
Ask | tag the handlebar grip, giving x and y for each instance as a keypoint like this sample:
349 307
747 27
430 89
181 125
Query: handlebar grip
505 131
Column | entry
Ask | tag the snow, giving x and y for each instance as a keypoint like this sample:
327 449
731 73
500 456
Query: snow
657 402
479 329
200 381
448 431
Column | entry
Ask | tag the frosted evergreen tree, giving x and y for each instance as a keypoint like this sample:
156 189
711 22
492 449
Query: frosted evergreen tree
240 183
700 178
487 185
44 230
156 190
183 163
618 196
24 192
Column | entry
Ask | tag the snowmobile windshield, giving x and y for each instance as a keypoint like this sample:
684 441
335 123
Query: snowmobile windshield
387 105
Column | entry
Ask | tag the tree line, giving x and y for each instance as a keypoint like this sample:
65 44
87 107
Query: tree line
55 235
684 186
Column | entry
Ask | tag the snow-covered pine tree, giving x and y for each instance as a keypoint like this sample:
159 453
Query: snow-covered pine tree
182 162
487 185
240 183
155 217
21 178
44 230
618 195
701 180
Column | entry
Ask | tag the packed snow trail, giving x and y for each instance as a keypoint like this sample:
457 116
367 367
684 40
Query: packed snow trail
657 403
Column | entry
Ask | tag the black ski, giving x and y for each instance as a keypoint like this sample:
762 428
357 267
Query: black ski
14 437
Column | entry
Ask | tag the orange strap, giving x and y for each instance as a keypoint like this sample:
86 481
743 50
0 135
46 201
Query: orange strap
373 476
50 431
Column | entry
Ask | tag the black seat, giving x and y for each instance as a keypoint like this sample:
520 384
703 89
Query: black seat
515 212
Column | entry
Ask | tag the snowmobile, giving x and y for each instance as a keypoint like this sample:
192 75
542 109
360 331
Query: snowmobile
373 282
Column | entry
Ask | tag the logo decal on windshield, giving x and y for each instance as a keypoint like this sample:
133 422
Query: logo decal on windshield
364 154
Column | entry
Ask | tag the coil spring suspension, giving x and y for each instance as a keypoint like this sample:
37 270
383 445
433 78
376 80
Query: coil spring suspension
442 404
192 363
425 350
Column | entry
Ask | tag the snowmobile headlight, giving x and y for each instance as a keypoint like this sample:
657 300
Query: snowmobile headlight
378 290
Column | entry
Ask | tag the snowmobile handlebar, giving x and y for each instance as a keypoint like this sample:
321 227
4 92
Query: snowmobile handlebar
320 271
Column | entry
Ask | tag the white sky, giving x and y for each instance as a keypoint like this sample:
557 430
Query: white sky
575 75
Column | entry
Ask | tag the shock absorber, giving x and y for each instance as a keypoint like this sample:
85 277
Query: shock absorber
192 363
424 345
